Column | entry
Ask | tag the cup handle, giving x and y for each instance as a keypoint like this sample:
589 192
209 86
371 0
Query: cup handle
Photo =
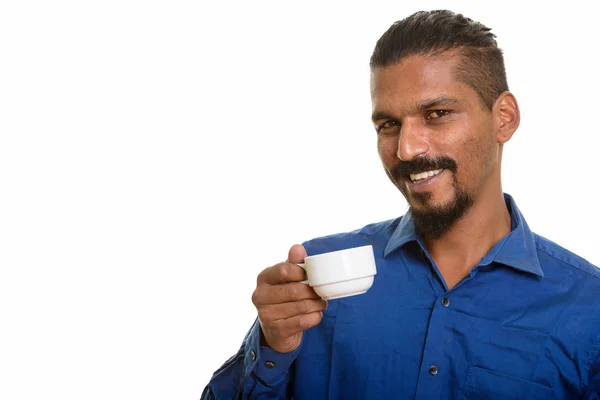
301 265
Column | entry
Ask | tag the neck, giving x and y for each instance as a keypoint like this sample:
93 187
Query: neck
471 237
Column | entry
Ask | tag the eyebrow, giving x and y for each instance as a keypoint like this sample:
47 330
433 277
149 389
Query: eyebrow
420 106
379 115
435 102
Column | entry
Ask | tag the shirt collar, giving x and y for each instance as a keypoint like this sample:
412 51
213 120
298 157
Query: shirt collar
516 250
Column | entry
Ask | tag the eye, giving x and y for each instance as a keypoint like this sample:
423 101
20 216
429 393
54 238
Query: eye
436 114
388 128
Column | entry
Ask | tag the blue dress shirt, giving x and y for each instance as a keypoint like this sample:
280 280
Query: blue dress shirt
524 324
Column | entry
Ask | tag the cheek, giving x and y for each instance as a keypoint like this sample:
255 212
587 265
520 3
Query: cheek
475 158
387 149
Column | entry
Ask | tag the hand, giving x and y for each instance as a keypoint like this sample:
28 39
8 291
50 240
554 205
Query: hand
286 307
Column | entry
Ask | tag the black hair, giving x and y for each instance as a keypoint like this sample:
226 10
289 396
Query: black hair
481 65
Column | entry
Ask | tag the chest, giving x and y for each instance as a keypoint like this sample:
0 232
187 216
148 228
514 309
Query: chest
408 338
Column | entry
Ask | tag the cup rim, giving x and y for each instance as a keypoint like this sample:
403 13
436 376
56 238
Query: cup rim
337 251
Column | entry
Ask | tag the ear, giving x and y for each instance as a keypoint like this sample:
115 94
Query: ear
507 116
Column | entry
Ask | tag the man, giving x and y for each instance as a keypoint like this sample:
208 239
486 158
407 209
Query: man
467 302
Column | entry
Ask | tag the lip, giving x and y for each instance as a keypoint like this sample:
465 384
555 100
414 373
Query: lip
424 185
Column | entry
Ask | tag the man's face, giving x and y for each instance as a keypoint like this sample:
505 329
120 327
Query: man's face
435 138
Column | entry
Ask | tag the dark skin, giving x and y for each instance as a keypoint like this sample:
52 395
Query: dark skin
286 307
420 109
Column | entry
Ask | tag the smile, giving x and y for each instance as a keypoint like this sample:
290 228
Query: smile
423 176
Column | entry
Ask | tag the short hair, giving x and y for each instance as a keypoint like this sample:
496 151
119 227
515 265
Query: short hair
432 33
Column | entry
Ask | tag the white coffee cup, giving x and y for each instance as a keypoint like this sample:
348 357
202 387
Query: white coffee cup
341 273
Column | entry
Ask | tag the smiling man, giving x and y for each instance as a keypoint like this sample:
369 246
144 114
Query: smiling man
441 125
468 302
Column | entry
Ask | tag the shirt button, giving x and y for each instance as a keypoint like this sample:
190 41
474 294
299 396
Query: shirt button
270 364
433 370
253 355
445 302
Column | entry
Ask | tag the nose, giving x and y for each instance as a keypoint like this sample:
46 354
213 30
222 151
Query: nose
412 141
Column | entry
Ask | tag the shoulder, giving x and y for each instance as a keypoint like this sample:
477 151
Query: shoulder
552 255
374 233
572 287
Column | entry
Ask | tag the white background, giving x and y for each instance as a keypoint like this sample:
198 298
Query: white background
155 156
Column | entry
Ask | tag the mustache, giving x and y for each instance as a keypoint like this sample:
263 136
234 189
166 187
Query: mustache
422 164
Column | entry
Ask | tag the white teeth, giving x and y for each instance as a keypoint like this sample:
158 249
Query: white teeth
423 175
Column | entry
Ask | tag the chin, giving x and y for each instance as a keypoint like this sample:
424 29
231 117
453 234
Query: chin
435 218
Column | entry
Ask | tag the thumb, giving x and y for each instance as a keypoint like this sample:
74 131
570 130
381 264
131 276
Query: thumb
296 254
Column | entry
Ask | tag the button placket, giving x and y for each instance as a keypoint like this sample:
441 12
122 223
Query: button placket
432 383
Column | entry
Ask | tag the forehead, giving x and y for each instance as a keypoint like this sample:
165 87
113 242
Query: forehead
416 79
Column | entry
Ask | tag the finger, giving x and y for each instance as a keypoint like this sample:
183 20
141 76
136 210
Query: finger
277 294
296 254
281 273
290 326
273 312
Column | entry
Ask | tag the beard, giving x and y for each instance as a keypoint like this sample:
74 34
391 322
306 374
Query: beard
432 222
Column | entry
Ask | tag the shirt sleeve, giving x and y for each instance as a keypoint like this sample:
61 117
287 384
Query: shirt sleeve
255 371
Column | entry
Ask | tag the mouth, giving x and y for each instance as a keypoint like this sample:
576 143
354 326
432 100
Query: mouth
423 180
